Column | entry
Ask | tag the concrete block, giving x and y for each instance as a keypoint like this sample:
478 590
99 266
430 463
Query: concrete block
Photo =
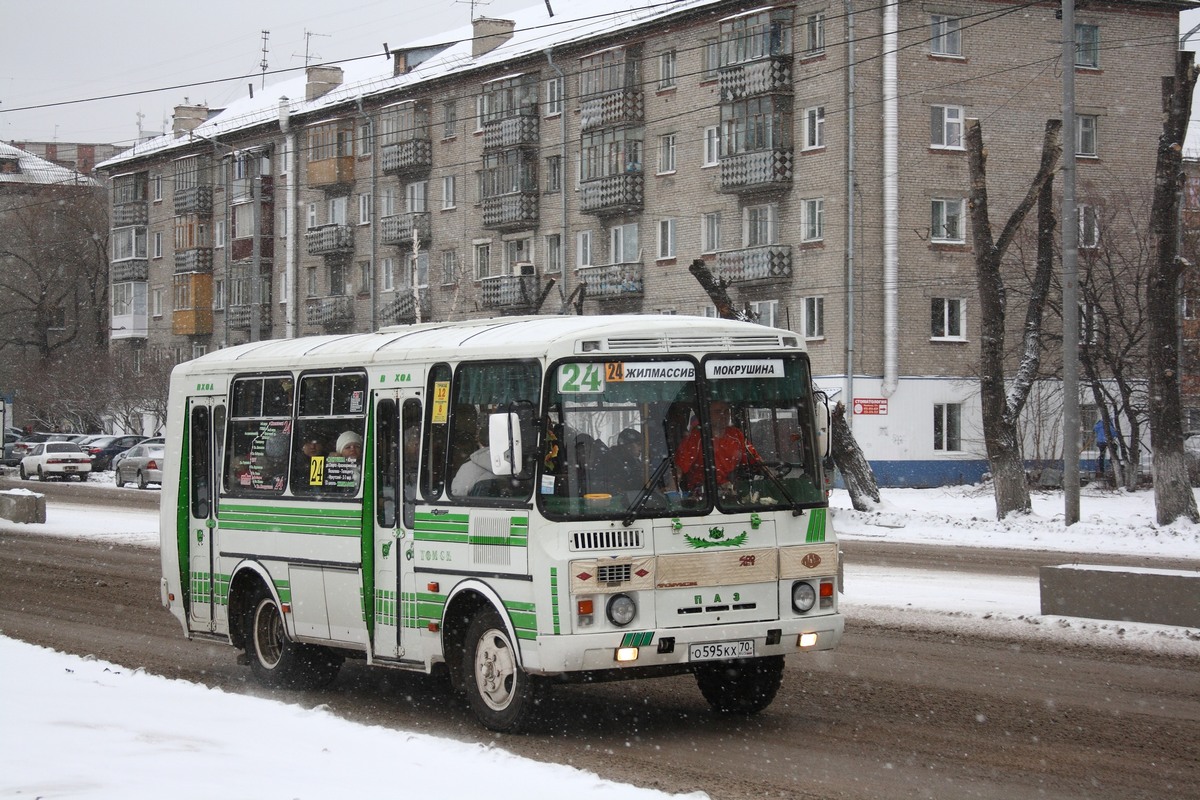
1158 596
22 505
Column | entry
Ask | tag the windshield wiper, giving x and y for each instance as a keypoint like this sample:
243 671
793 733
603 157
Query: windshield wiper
645 492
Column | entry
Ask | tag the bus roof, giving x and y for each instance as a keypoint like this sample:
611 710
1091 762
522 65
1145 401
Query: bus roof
503 337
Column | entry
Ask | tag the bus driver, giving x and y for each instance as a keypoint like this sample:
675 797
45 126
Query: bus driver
730 451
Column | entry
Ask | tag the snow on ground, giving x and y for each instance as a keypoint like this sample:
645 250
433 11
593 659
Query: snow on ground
106 720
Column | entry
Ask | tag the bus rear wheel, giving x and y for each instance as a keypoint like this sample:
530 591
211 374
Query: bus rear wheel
746 686
275 659
501 694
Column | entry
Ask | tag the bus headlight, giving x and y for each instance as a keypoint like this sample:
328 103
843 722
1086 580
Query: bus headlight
804 596
621 610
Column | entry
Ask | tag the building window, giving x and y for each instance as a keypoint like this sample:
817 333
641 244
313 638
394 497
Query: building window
219 233
1087 46
710 232
339 278
337 211
712 146
947 425
449 191
761 225
667 70
387 202
366 138
156 187
666 153
554 253
583 248
946 318
388 267
814 34
242 217
311 218
946 220
554 97
554 173
449 119
311 287
183 293
418 270
1085 135
483 259
157 251
666 238
364 209
219 294
415 197
766 312
945 35
285 156
623 244
199 349
128 243
946 127
1089 227
812 223
814 127
518 255
156 302
710 59
449 267
814 318
1089 323
364 277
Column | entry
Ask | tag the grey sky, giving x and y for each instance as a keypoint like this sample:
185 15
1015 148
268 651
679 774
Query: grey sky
84 50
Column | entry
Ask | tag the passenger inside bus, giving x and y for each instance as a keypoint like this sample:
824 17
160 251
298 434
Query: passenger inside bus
478 466
625 468
730 451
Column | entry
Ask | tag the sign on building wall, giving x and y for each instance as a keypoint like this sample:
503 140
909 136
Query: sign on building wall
871 406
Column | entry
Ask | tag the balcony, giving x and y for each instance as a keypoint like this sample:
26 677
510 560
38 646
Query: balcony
127 214
615 194
766 170
196 200
614 109
130 326
136 269
516 211
516 131
409 159
612 280
198 259
403 308
330 173
329 239
239 317
767 76
515 293
243 248
192 322
331 313
398 229
767 263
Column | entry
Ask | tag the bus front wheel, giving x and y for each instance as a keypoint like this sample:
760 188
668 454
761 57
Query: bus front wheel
741 687
275 659
502 695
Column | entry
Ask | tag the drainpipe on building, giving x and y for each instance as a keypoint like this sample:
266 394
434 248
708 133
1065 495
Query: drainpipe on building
290 269
891 204
373 226
562 189
850 209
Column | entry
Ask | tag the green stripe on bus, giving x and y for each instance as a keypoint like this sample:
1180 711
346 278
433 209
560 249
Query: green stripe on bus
274 527
816 525
261 519
554 600
305 511
639 639
427 517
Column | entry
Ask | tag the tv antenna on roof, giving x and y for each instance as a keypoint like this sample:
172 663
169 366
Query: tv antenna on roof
308 57
473 4
262 65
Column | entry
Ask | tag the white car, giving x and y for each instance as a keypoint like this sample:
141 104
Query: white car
56 459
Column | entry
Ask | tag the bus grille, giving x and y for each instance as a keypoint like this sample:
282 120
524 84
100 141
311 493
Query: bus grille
614 573
606 540
632 344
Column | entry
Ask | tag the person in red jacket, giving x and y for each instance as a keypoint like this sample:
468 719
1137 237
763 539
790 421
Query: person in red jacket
730 451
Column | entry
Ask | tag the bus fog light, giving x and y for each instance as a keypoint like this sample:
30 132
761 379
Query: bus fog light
807 639
621 610
804 596
626 654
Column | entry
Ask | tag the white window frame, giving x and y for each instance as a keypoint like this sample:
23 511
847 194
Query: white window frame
219 233
1089 227
946 127
517 252
668 69
449 192
953 313
1089 329
945 35
583 249
1087 45
218 294
554 253
710 59
710 232
555 96
481 252
387 267
712 146
311 217
418 270
760 225
666 153
554 173
416 197
449 119
814 317
337 207
947 218
623 244
947 427
387 201
449 267
666 239
1086 138
814 128
812 220
156 302
157 248
814 34
364 208
766 312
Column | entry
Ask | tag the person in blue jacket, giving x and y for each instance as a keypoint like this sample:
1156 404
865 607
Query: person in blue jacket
1102 437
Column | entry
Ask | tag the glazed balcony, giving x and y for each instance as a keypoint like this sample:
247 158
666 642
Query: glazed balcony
134 269
131 326
403 308
192 322
766 263
398 229
766 76
515 211
517 293
125 214
615 194
329 173
329 239
331 313
197 259
409 159
612 109
765 170
520 130
612 280
196 200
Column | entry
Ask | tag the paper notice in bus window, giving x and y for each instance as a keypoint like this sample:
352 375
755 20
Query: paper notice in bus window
751 368
356 402
441 402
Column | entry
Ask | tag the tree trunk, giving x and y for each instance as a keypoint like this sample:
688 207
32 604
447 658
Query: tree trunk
847 455
1173 497
1001 405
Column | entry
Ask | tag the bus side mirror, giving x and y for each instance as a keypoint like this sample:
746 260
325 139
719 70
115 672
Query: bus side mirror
504 443
823 420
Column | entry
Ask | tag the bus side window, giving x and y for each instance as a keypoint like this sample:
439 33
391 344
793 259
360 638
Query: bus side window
409 457
201 467
386 473
437 425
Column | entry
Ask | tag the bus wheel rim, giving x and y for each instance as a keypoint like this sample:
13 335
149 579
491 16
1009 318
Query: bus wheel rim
495 670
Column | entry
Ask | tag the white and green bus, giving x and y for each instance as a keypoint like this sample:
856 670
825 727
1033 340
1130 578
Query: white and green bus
507 500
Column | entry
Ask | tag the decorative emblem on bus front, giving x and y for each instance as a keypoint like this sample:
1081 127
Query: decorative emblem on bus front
716 538
811 560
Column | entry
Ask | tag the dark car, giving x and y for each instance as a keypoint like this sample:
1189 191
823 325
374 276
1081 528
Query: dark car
104 448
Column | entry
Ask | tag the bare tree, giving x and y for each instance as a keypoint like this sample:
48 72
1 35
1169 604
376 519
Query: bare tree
1173 496
1002 403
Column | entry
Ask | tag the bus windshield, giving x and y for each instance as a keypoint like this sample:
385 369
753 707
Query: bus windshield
637 438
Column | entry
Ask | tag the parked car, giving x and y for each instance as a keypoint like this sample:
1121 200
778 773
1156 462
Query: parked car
116 460
11 437
142 463
24 445
103 448
55 459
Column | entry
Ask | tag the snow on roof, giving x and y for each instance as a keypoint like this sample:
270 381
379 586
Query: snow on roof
370 76
38 171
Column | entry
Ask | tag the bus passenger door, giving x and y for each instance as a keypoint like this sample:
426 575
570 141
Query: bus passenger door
206 428
398 422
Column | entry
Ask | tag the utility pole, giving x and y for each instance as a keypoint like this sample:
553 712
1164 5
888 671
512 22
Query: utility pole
262 65
1070 277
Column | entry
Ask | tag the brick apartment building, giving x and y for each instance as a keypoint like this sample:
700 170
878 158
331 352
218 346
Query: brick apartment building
813 157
